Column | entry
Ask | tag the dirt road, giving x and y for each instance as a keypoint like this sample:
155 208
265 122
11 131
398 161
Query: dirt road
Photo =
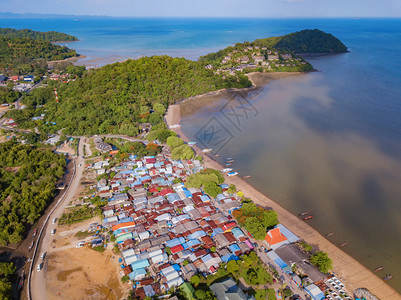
38 282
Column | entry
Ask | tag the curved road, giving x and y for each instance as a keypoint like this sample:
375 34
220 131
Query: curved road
38 278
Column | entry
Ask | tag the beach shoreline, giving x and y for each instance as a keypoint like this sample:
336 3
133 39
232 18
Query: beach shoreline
353 274
259 80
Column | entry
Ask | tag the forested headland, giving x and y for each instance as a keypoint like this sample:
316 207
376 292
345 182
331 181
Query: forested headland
27 185
50 36
21 55
305 41
278 49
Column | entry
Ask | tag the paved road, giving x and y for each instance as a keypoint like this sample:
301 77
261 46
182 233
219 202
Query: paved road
38 283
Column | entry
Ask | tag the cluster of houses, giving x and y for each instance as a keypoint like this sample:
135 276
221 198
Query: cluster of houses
252 57
167 233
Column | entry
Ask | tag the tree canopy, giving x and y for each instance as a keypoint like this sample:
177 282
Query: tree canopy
322 261
119 95
255 219
15 52
27 185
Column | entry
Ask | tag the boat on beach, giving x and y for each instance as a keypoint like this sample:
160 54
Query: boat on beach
191 143
388 277
308 217
378 269
175 126
232 174
343 244
206 150
226 170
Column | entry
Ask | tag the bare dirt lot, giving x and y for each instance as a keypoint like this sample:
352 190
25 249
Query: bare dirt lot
81 273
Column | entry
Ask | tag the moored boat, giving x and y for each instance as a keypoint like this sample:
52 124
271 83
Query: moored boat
245 177
378 269
308 217
388 277
191 143
304 213
330 234
232 174
206 150
226 170
343 244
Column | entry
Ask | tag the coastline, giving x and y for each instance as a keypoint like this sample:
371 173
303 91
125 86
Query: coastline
353 273
192 104
70 59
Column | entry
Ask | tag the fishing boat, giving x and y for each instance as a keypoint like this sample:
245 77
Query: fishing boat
378 269
227 165
330 234
245 177
217 155
343 244
308 217
226 170
206 150
191 143
304 213
175 126
388 277
230 161
232 174
229 158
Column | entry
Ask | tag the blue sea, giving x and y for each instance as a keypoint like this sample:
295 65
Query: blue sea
327 141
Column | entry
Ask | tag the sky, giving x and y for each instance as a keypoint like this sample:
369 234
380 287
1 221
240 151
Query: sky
208 8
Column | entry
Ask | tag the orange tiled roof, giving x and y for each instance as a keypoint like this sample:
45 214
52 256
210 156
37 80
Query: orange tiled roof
274 236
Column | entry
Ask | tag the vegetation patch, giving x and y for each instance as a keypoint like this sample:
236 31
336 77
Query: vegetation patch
25 194
77 215
255 219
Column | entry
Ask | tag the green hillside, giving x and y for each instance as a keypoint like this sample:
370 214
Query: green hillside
116 97
50 36
17 52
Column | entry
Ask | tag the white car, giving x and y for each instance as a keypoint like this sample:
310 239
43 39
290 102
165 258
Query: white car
80 245
53 231
43 255
54 220
39 267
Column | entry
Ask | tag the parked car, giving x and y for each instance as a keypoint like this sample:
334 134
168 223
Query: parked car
43 255
53 231
80 244
39 267
54 220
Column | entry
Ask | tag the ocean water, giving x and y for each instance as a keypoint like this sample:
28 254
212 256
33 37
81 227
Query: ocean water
328 141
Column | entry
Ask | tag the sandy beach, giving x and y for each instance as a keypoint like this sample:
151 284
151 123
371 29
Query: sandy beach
350 271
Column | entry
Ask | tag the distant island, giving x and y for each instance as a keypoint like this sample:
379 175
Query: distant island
50 36
120 98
